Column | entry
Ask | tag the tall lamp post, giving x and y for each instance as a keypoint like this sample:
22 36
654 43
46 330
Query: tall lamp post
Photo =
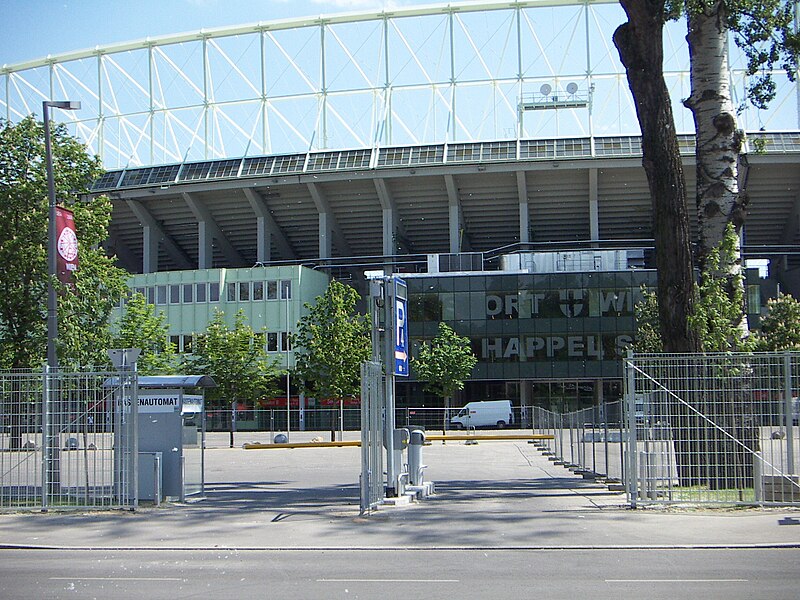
52 471
52 310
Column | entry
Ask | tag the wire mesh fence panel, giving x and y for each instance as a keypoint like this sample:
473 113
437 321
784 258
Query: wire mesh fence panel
372 485
713 429
66 441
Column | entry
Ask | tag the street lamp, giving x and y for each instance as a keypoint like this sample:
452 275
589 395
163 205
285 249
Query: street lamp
52 475
52 314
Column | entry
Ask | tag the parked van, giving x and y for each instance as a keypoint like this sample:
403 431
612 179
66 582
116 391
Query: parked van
488 413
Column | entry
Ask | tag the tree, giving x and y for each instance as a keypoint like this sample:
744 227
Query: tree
640 46
237 361
140 327
331 342
444 364
84 310
780 328
763 29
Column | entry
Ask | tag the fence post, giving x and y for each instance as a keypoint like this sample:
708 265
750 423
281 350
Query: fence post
45 434
788 411
758 479
630 413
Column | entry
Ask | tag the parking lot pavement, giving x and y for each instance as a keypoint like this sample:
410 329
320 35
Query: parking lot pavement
490 495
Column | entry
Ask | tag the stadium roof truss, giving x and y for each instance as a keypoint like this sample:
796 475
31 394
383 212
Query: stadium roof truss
455 73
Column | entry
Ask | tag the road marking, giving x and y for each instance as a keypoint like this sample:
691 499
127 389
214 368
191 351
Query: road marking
387 581
116 579
676 580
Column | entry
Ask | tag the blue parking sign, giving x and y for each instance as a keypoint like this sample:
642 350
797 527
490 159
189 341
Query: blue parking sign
400 337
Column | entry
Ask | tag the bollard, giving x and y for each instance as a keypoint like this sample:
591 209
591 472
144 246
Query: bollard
415 466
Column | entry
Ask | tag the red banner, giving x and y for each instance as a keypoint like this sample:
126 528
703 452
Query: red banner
66 245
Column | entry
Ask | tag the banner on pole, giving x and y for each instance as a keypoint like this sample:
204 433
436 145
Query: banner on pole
66 245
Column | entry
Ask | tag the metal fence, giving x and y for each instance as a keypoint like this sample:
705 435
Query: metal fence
713 429
372 490
588 441
332 419
67 440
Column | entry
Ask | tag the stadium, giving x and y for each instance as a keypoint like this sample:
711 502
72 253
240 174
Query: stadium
487 152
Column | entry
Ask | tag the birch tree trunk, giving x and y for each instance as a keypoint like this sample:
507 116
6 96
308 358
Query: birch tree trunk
718 139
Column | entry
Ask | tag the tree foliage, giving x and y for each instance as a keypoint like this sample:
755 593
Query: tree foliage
717 317
331 342
140 327
84 311
445 363
237 361
780 328
721 304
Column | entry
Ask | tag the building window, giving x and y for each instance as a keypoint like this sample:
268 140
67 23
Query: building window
231 292
174 294
213 292
258 290
151 295
161 294
272 341
200 292
286 289
188 344
140 290
175 340
244 291
188 293
272 290
286 342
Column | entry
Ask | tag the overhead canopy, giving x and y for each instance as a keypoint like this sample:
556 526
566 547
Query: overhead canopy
170 381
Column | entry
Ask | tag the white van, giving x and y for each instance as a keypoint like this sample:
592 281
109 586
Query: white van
488 413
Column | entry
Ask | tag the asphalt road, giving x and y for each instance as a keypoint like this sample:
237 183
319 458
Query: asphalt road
401 574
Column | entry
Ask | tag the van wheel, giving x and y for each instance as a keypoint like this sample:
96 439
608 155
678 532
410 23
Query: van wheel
501 424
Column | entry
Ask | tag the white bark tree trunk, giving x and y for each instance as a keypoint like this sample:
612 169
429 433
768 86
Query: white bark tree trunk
718 138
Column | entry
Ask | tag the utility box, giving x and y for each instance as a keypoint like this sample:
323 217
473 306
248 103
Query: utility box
172 424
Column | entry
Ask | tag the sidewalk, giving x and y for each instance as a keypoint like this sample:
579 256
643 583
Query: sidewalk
492 495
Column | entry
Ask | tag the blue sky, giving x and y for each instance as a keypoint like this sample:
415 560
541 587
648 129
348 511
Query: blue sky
31 29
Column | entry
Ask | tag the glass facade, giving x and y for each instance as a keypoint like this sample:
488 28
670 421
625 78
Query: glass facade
533 326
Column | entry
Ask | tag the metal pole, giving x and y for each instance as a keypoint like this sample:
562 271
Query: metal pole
52 316
288 391
52 460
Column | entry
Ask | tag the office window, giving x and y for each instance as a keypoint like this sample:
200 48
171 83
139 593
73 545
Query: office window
140 290
151 295
174 294
272 290
161 294
188 342
188 293
286 289
200 292
286 342
244 291
272 341
258 290
175 340
213 292
231 292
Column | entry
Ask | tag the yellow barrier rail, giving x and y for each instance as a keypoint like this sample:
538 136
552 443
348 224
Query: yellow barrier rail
456 437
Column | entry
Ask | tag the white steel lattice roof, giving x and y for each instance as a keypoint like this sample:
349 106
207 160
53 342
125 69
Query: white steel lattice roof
454 73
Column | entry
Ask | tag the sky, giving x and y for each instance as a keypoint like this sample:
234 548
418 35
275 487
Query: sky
32 29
